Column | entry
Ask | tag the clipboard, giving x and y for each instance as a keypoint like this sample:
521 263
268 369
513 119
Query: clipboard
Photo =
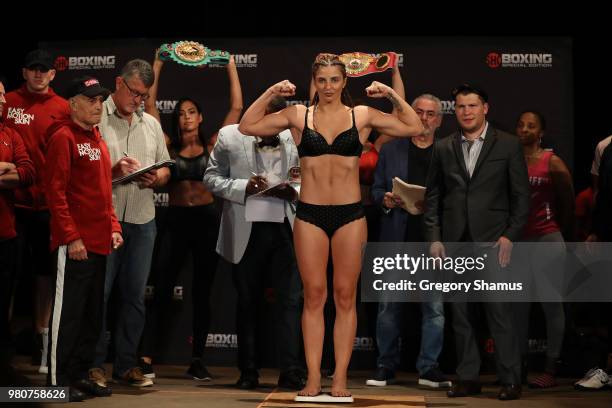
279 186
132 176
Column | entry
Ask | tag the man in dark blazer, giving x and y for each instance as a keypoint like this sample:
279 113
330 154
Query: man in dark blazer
407 159
478 191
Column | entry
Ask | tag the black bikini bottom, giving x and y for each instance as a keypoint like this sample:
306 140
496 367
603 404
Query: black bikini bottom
329 217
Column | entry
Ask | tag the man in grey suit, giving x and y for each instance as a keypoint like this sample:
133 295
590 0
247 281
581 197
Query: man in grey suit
478 191
239 167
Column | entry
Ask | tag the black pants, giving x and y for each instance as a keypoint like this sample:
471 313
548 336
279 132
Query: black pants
189 230
507 355
33 242
501 327
269 256
7 282
76 319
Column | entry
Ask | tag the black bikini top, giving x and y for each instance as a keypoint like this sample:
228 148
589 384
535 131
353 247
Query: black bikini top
346 143
189 168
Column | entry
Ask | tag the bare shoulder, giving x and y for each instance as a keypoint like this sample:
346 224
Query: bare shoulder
293 111
363 110
557 164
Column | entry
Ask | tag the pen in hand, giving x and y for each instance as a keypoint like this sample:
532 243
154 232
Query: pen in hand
260 181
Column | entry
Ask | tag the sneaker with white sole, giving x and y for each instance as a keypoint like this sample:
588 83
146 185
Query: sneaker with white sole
147 369
198 371
594 379
382 378
434 378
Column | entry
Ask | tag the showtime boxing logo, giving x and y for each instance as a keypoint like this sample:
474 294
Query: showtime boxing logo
88 62
177 293
165 107
493 60
363 344
245 60
448 107
294 102
221 340
61 64
161 199
19 116
85 149
496 60
241 60
400 60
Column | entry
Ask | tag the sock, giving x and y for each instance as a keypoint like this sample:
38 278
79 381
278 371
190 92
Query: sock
45 345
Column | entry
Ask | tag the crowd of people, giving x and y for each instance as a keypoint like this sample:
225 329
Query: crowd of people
85 237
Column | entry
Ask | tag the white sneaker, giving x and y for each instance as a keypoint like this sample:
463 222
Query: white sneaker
594 379
382 378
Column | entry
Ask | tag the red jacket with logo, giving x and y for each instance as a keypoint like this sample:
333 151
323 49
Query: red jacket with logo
12 150
79 188
31 114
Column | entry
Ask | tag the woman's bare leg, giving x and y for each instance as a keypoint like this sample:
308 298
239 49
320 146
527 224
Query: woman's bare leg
347 244
312 249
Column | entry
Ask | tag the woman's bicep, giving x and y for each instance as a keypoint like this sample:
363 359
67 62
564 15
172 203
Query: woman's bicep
388 124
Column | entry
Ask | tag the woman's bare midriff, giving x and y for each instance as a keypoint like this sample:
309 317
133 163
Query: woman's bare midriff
189 193
330 179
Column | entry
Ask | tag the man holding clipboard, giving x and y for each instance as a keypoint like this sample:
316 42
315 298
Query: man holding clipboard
135 140
256 237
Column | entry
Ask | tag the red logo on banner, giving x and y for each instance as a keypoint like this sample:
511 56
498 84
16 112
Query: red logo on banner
61 63
490 346
494 60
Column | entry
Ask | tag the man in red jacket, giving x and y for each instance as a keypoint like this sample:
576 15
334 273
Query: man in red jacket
16 169
84 230
30 110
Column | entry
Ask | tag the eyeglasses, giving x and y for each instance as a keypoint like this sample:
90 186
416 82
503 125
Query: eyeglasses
429 114
135 94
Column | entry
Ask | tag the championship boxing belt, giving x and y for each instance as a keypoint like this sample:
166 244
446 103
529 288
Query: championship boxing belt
192 53
360 64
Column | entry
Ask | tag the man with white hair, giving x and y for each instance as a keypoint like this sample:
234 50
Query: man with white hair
407 159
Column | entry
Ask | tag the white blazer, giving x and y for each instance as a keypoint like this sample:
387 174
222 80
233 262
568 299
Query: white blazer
231 164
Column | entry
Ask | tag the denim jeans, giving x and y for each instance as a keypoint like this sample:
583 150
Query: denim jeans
130 264
388 326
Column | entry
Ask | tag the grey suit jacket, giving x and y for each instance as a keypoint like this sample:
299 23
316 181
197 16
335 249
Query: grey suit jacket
229 169
492 203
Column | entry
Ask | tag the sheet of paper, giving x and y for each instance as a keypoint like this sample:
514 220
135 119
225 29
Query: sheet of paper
268 209
410 195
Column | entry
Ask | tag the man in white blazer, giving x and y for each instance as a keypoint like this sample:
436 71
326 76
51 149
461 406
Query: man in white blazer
260 248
